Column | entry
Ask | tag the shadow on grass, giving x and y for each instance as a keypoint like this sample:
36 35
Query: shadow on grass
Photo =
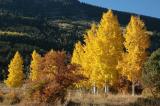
146 102
138 102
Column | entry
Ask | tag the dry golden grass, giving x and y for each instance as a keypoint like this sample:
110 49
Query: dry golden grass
77 98
12 33
80 99
11 98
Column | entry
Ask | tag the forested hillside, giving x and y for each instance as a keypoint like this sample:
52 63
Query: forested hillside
26 25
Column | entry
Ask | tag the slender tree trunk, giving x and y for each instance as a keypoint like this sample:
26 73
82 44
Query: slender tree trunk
133 89
80 91
94 88
106 89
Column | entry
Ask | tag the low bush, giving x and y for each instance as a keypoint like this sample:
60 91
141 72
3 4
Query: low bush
1 96
11 98
55 76
147 93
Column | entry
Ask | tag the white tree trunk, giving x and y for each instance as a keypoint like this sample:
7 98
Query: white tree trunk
106 89
94 88
133 89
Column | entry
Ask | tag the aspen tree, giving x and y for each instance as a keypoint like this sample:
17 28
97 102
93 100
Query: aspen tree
110 41
101 51
136 43
15 77
35 65
83 54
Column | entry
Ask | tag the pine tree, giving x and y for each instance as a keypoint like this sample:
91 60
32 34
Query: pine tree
35 65
15 77
136 43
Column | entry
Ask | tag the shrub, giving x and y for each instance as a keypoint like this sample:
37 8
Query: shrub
151 73
147 93
11 98
1 96
55 76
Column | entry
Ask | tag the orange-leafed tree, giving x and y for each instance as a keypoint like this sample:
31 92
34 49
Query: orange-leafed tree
56 75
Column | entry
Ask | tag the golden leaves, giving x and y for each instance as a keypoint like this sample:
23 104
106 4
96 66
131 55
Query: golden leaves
15 77
101 51
35 65
136 43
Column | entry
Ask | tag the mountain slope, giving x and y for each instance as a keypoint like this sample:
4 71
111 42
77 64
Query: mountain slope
54 24
71 9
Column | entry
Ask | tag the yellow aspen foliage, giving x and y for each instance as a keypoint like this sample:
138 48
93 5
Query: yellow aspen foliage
102 50
15 77
89 56
137 40
110 44
77 54
35 65
83 54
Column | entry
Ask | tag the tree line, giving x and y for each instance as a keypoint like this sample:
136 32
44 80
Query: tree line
108 54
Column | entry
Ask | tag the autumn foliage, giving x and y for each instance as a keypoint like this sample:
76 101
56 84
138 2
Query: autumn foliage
109 56
35 65
136 43
55 76
15 76
110 52
102 49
